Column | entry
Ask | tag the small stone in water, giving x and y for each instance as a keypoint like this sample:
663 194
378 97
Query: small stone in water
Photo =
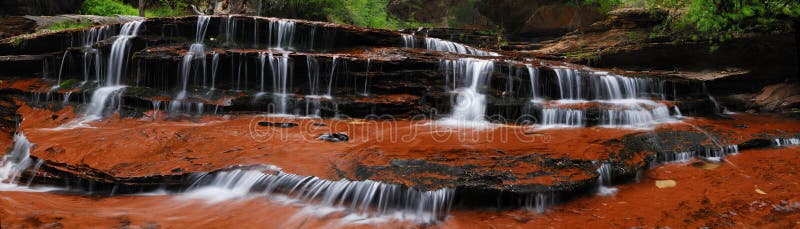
278 124
334 137
666 183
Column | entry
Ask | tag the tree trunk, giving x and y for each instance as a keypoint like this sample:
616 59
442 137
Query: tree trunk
141 8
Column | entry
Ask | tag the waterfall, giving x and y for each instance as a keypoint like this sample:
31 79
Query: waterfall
470 106
366 79
716 154
577 85
779 142
635 114
409 41
214 67
329 95
262 60
569 83
15 161
280 81
196 53
119 53
623 102
718 107
283 31
674 157
103 98
604 180
556 117
90 37
533 73
449 46
61 68
314 82
539 202
364 197
113 80
255 32
312 66
230 30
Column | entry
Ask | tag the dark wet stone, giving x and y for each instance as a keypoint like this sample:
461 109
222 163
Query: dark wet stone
319 124
278 124
755 144
334 137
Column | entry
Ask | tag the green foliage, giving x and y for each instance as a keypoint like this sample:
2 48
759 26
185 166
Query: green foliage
16 41
68 25
107 8
170 8
165 8
717 20
68 83
367 13
605 5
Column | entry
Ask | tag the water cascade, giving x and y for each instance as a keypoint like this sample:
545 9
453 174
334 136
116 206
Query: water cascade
540 202
329 94
624 102
787 142
281 81
196 53
229 30
469 76
366 80
604 180
214 68
449 46
553 117
61 68
283 33
409 41
91 37
117 64
363 197
534 77
15 161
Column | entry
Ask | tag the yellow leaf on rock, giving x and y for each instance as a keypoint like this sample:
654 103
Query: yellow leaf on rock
759 191
666 183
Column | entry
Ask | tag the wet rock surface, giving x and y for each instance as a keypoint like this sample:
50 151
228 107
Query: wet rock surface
355 108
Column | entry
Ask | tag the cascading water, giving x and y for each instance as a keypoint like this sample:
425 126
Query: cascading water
280 81
604 180
283 33
196 53
329 94
229 30
91 37
363 197
469 76
366 80
214 68
540 202
449 46
409 41
61 69
787 142
15 162
554 117
623 101
534 77
117 64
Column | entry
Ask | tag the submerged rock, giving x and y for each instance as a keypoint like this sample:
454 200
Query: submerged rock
334 137
278 124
